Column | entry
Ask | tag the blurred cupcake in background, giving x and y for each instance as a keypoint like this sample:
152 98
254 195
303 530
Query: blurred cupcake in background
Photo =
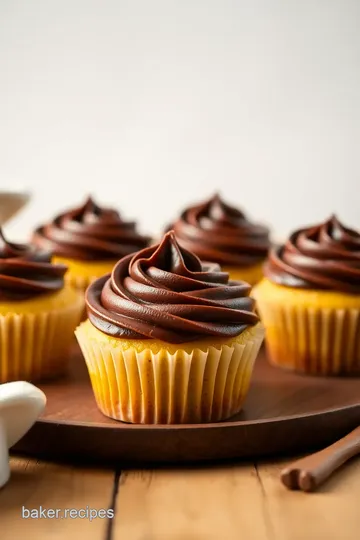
38 314
220 233
89 240
309 300
169 339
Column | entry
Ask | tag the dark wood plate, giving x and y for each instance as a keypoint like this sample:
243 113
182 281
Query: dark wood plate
283 413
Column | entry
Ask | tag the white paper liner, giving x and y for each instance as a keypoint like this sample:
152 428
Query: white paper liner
34 346
310 340
165 388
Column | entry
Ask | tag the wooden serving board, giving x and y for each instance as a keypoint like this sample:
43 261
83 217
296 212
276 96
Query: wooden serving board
283 413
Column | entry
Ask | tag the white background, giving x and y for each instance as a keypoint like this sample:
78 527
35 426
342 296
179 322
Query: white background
151 105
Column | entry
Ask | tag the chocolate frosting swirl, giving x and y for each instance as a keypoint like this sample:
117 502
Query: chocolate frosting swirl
220 233
90 233
26 272
324 256
164 292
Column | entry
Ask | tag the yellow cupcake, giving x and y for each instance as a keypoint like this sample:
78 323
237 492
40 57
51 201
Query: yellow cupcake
143 365
36 335
219 233
251 274
81 273
316 332
310 301
153 382
88 240
38 314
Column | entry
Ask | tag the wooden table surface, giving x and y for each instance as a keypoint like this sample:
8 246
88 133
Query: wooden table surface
230 502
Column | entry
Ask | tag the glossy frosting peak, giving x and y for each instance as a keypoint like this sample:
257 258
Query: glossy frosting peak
90 233
324 256
164 292
26 272
221 233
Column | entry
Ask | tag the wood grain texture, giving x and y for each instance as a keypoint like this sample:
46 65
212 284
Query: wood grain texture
331 513
226 502
283 412
235 502
205 504
36 484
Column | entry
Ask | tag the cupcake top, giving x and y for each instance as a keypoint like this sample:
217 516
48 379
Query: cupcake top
90 233
26 272
164 292
324 256
220 233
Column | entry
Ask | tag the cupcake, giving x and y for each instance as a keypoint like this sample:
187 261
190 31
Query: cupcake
38 314
89 240
220 233
169 340
309 301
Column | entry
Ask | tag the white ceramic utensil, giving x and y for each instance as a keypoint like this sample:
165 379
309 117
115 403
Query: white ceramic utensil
21 403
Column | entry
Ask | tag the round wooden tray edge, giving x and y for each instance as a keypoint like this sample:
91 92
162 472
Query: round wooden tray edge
214 425
283 413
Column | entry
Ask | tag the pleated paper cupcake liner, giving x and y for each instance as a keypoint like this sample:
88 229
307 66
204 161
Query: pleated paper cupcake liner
164 388
34 346
317 341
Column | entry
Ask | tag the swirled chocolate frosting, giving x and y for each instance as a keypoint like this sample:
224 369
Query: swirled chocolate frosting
26 272
220 233
90 233
164 292
324 256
